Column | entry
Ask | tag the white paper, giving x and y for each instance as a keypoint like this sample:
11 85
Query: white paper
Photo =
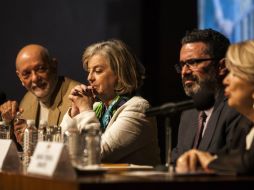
5 145
45 158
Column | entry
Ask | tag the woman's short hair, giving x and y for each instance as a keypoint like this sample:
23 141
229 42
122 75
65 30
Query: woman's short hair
240 58
122 61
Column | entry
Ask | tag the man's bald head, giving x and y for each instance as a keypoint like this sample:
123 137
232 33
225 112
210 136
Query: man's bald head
32 51
37 71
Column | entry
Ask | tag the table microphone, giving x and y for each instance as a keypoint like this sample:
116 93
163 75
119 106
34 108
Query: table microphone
202 100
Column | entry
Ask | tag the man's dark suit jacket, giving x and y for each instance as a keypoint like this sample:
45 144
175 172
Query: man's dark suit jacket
218 133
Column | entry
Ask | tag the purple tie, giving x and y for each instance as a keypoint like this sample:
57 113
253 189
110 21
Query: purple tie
201 123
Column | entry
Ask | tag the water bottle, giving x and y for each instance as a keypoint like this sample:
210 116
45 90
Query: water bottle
49 133
5 130
30 141
74 145
19 120
57 137
42 130
92 150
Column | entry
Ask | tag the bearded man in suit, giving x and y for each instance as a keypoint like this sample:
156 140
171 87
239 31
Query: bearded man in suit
202 68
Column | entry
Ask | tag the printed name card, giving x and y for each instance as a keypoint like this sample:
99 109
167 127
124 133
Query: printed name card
9 159
51 159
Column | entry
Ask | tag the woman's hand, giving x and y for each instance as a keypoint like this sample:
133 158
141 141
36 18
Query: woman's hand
191 161
74 110
82 98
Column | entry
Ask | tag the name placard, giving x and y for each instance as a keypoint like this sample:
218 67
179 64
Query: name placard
9 159
51 159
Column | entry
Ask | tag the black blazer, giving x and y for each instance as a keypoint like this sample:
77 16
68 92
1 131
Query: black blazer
218 133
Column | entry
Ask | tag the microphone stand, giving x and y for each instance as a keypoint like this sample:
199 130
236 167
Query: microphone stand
168 143
168 110
201 101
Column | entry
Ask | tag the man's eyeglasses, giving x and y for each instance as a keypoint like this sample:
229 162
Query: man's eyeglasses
191 63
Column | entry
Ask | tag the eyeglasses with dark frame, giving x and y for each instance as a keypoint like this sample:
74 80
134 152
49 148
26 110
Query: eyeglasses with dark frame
191 63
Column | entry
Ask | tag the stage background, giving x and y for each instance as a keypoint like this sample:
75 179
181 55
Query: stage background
234 18
152 28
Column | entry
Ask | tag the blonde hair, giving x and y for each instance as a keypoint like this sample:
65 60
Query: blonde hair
123 63
240 58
